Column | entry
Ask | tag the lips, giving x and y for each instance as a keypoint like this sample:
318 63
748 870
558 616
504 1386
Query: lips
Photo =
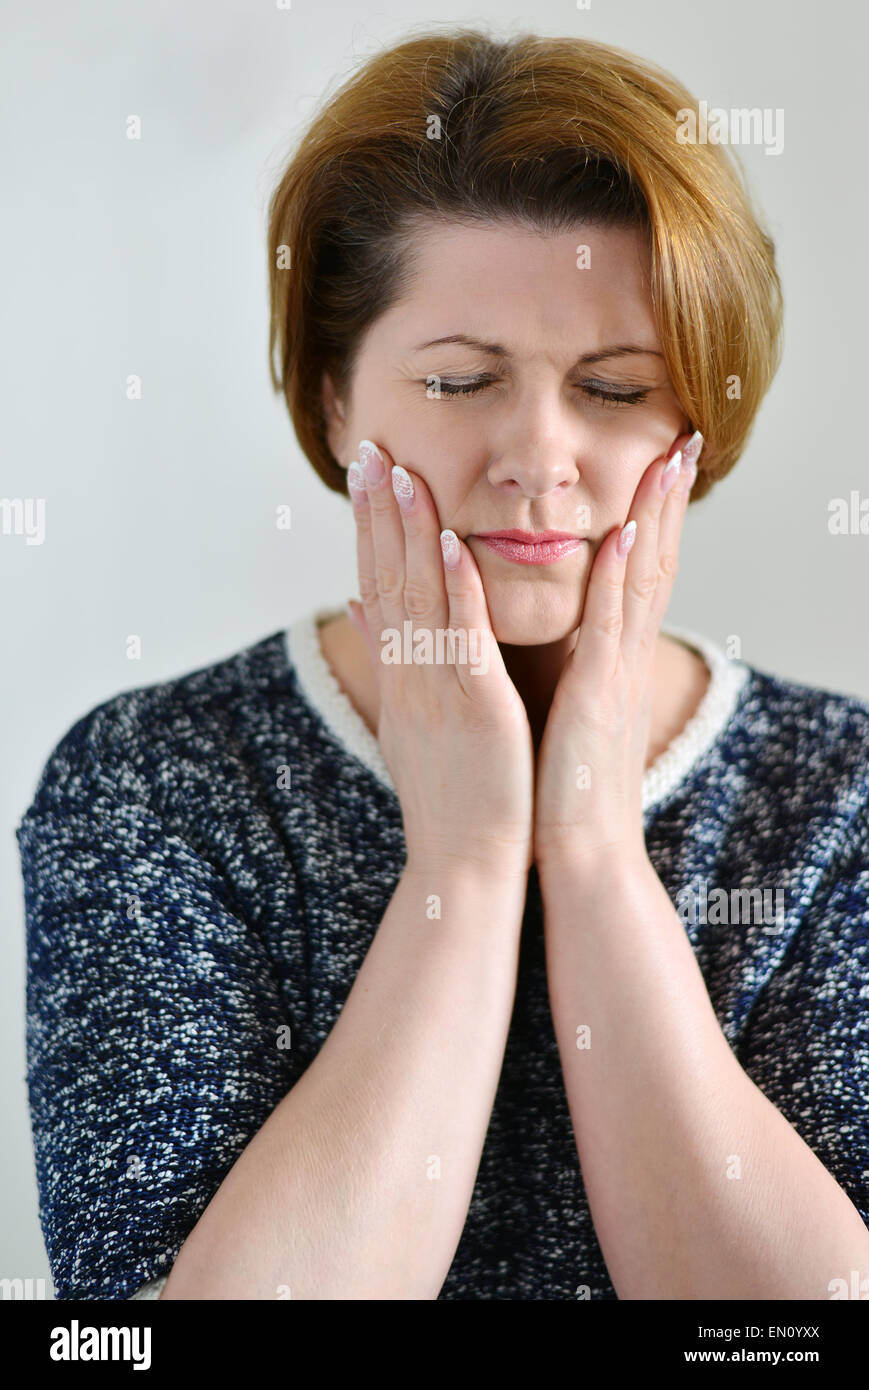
531 547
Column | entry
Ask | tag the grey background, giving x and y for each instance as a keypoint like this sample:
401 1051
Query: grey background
148 257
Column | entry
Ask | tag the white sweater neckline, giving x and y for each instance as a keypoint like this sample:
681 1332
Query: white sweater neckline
323 692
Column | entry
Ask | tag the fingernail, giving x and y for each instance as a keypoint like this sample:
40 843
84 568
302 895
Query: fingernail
371 461
356 484
691 452
450 548
402 486
671 472
627 536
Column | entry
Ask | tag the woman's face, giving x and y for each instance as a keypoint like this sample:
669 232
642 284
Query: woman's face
552 440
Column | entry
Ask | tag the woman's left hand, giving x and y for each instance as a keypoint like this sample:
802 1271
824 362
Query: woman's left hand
590 764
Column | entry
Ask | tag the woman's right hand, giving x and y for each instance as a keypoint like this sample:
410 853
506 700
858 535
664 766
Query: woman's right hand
457 743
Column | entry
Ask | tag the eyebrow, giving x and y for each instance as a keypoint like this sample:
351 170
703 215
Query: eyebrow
498 350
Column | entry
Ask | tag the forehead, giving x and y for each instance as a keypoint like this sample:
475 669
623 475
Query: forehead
512 284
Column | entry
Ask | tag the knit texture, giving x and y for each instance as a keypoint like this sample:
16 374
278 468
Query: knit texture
185 906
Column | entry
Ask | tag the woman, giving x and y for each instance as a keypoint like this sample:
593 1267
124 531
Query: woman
360 968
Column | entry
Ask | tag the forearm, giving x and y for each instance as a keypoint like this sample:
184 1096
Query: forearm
698 1186
358 1184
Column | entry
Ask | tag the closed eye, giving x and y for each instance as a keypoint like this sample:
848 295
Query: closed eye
603 393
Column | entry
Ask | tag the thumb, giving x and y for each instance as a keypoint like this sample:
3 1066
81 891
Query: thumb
357 617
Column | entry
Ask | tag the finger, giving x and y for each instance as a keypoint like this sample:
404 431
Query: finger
597 648
670 530
357 618
425 595
387 537
642 570
365 564
469 615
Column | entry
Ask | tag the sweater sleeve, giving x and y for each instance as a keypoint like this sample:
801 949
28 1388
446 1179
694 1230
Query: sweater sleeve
807 1044
155 1037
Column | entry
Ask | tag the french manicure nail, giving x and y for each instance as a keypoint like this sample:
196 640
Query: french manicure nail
671 472
450 549
627 536
402 486
371 461
356 484
691 452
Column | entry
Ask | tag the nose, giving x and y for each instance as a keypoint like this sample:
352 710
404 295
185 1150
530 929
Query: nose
538 449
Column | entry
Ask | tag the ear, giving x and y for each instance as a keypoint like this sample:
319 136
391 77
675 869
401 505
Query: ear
336 422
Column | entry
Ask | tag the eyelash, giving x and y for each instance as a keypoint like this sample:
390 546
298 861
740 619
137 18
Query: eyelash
450 390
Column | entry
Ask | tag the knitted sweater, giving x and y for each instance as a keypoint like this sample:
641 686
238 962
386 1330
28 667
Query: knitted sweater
184 905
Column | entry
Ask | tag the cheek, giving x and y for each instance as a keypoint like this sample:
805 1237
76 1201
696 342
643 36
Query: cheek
611 475
625 446
448 452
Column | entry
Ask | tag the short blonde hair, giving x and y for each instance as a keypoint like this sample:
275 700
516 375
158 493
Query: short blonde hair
549 132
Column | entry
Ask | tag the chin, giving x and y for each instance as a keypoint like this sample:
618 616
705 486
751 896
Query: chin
533 620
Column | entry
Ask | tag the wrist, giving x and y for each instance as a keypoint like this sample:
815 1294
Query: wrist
469 875
604 871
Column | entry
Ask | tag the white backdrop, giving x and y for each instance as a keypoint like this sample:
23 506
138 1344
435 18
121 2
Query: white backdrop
147 257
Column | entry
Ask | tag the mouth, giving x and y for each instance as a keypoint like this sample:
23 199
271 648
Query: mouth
530 547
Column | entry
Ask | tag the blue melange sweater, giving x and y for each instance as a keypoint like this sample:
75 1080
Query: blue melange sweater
184 905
